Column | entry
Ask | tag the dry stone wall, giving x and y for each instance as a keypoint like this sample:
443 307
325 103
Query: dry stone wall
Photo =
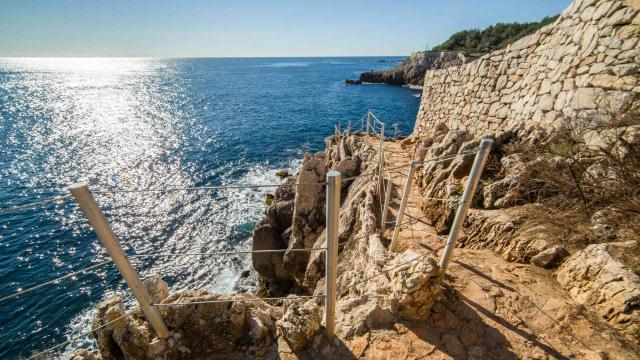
587 62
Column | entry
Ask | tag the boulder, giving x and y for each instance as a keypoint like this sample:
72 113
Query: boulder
605 223
357 316
414 284
299 324
82 354
550 257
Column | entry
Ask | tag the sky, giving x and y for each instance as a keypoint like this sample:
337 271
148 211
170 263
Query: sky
200 28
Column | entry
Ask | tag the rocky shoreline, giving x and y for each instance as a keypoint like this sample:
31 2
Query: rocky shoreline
411 71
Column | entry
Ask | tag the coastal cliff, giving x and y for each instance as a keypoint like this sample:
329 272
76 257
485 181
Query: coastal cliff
411 71
548 259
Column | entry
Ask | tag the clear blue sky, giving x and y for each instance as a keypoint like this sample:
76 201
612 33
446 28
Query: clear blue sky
247 27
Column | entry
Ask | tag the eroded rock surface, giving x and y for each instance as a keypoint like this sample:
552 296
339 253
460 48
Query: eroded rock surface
594 277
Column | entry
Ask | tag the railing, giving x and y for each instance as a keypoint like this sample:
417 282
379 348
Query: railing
84 197
87 203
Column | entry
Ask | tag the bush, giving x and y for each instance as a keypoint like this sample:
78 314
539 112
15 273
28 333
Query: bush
498 36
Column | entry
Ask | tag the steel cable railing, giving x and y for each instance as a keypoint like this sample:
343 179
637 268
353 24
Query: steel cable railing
91 213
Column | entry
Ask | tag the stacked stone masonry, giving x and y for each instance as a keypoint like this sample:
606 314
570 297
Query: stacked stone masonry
588 61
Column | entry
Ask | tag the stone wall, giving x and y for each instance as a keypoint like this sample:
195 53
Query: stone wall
586 62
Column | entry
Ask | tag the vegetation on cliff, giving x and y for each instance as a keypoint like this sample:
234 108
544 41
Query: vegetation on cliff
476 42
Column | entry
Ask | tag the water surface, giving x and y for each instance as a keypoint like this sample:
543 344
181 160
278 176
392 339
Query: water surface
153 123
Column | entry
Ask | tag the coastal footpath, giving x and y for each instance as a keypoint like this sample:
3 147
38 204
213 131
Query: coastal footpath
547 265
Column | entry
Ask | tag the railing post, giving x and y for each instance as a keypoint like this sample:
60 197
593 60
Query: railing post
465 201
333 214
403 203
381 161
92 211
385 209
368 120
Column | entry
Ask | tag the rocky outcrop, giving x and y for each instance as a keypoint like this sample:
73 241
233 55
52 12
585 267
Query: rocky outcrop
412 70
295 219
595 278
299 325
202 325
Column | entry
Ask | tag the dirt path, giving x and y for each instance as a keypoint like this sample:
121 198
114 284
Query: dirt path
491 308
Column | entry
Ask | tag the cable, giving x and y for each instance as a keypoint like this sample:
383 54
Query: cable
451 199
220 187
239 300
386 270
54 280
33 204
224 252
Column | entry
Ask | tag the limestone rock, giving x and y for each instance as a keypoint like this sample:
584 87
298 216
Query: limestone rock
357 316
308 214
414 285
157 288
412 70
299 325
605 223
594 277
82 354
550 257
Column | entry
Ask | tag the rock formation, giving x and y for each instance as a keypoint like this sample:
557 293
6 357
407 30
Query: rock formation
412 70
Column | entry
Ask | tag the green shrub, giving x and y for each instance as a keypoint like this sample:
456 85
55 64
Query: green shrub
477 42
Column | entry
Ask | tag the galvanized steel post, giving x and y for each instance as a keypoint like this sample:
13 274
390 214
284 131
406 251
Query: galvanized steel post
465 201
333 216
403 203
385 209
381 161
368 120
92 211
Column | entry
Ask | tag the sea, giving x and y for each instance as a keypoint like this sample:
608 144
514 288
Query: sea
129 124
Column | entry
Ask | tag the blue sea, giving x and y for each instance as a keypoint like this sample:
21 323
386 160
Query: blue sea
154 123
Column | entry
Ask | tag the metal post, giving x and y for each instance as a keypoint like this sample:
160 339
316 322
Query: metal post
92 211
465 201
387 199
395 130
381 161
403 203
333 214
368 120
